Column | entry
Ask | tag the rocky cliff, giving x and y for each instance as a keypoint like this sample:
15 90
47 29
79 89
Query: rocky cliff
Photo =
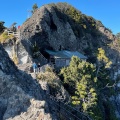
21 97
60 26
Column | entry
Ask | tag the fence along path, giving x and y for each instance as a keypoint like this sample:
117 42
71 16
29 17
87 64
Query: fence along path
67 111
16 34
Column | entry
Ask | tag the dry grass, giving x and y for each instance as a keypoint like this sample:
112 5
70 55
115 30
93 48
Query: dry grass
4 37
50 77
15 59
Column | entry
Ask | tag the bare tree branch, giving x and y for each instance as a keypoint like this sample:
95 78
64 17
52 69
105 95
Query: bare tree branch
107 86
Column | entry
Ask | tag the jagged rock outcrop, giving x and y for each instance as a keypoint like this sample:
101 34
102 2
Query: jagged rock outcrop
53 26
60 26
21 97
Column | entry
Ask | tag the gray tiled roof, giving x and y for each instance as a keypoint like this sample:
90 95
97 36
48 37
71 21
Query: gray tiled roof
65 54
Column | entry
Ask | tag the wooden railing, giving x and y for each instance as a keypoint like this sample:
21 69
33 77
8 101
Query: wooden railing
16 34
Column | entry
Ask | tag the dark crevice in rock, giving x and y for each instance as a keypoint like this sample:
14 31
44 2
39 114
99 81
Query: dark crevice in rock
52 24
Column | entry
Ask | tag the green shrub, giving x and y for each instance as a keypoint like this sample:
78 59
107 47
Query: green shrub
47 76
2 26
74 14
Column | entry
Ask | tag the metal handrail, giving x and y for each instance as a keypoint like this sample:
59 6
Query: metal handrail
77 111
64 115
67 111
56 100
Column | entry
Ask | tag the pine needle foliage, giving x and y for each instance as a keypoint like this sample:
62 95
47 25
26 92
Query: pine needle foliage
89 82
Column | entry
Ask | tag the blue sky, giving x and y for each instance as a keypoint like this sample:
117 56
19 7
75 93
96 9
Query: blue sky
107 11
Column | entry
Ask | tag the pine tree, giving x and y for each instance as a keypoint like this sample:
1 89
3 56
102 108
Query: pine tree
34 8
81 75
2 26
88 80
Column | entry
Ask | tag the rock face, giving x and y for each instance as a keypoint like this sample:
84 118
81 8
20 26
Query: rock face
60 26
53 27
57 27
16 48
20 95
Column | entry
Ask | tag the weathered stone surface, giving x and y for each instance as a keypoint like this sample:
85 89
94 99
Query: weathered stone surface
21 97
17 48
50 27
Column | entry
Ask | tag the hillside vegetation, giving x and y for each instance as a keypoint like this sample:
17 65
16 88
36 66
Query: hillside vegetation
4 37
2 27
84 24
87 85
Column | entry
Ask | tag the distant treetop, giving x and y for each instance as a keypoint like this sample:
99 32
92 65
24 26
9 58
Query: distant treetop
2 26
34 8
